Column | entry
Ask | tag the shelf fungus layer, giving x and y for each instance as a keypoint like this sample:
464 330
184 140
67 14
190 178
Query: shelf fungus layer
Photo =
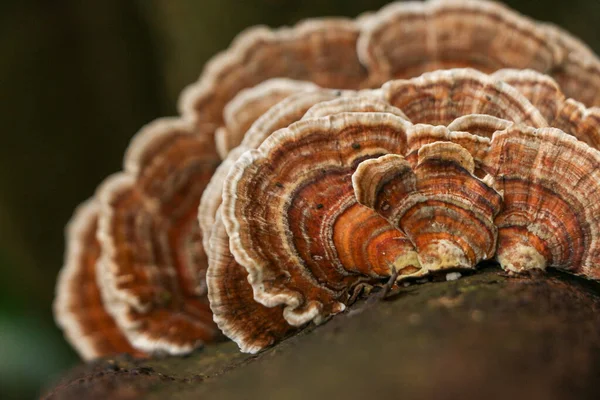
438 98
135 274
250 324
441 206
223 272
291 214
348 156
550 215
79 305
402 40
322 51
355 191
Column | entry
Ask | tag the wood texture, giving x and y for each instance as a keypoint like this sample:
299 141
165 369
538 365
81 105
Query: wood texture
483 336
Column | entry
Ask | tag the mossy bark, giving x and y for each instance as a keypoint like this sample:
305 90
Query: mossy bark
484 336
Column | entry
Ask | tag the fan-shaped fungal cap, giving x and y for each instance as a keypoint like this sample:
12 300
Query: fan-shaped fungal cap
279 116
250 324
477 146
153 263
288 209
578 74
78 306
322 51
550 214
438 98
249 104
406 39
445 210
544 93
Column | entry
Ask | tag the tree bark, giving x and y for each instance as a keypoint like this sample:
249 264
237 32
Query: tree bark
485 336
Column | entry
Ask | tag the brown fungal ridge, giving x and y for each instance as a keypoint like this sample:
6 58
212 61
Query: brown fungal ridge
440 205
377 133
291 232
78 306
549 180
440 97
328 43
250 324
249 104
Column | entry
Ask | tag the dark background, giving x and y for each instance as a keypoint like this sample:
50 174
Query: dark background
77 79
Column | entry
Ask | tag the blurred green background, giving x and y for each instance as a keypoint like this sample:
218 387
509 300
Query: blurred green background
77 80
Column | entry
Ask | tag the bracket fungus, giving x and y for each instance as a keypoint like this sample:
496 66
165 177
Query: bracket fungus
79 305
315 161
137 248
442 207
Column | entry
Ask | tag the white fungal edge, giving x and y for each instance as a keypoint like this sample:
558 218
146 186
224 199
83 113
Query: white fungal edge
456 74
553 136
240 46
268 88
428 9
118 302
291 299
213 294
561 101
354 102
83 216
258 132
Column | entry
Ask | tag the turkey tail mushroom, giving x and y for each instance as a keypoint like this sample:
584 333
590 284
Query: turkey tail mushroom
322 51
285 204
79 305
438 98
550 215
248 323
331 182
248 105
445 210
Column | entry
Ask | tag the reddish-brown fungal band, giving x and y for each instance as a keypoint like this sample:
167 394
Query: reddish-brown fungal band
550 215
153 261
283 203
329 190
79 306
250 324
321 51
445 210
438 98
453 33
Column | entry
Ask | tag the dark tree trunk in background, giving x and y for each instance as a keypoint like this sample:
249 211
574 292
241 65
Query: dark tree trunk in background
485 336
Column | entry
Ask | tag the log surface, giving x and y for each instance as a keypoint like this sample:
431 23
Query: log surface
484 336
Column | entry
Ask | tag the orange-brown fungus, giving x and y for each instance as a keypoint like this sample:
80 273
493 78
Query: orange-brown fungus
426 136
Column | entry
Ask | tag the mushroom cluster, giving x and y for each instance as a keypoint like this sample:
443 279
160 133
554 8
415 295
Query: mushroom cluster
312 162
